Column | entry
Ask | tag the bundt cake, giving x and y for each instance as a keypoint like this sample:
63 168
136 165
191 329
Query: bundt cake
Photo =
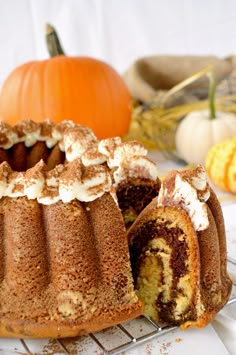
65 267
134 176
178 252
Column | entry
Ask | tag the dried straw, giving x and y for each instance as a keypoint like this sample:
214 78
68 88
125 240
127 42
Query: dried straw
155 125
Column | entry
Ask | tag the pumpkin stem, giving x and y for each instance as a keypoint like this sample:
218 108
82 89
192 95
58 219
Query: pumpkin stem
211 96
53 42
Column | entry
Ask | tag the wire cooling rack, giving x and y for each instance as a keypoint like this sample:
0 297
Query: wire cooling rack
112 341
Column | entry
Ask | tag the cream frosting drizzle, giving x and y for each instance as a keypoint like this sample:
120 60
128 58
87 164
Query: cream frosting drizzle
64 182
126 160
93 167
190 191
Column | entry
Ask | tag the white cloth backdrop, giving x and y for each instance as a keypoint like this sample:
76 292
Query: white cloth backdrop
117 31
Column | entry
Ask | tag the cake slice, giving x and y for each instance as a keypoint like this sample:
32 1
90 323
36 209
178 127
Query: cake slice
178 252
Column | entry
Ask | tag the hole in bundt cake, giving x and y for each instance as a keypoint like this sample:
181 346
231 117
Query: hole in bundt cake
21 158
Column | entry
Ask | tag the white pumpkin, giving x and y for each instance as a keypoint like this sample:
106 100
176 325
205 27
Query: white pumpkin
198 132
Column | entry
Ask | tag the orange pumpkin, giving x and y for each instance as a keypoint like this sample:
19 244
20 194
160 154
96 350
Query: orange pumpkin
85 90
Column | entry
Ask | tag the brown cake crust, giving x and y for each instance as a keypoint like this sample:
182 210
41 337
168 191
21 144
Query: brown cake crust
55 329
214 205
73 286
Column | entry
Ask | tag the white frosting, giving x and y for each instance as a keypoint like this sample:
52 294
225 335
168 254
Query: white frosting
186 195
47 136
31 138
8 136
76 141
93 157
34 187
124 150
46 199
5 170
58 130
138 166
59 184
126 160
100 152
107 146
72 138
95 161
87 190
36 134
200 183
3 186
65 183
13 139
15 185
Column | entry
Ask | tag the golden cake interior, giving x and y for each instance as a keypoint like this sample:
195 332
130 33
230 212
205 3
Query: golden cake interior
165 272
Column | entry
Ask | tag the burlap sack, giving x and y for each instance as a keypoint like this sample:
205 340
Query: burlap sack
149 76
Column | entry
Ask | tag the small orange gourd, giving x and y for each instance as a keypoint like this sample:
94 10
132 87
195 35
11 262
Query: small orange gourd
85 90
221 165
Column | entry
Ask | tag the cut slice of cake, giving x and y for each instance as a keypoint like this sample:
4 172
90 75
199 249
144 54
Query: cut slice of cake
178 252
